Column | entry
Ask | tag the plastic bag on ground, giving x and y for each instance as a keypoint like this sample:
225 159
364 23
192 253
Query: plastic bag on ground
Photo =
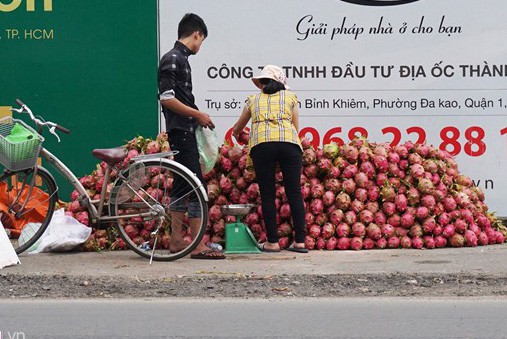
207 143
8 255
64 233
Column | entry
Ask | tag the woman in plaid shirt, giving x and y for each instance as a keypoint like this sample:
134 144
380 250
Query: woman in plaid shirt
274 139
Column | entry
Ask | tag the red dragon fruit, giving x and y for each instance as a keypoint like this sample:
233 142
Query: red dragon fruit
343 243
401 202
333 185
381 243
406 242
368 243
320 243
407 220
343 201
373 193
440 241
417 242
343 230
374 232
309 242
356 243
361 179
387 230
422 212
350 153
349 186
417 171
314 231
331 243
350 217
388 193
482 239
336 216
429 241
368 168
448 231
457 240
328 198
358 229
328 230
284 230
393 242
449 203
425 186
471 239
379 218
316 206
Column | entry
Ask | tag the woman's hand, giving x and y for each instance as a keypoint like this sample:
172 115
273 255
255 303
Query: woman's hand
235 131
241 123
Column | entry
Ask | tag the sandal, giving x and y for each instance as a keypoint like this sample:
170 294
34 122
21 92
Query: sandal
297 249
268 250
208 254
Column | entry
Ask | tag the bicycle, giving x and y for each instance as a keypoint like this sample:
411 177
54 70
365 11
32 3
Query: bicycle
141 197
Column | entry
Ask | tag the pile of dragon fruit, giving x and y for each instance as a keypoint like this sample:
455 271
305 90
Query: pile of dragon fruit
362 195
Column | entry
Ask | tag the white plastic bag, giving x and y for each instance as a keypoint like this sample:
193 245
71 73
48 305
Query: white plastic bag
207 143
8 255
64 233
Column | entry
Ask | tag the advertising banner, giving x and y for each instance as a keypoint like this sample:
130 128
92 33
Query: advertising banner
392 71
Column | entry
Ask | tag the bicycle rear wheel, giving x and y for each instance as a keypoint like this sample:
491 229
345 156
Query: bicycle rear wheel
27 203
145 203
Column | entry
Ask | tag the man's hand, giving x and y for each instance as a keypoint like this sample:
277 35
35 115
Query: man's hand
205 121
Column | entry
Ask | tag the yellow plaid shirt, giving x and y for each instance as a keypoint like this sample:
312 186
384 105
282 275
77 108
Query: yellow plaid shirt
272 118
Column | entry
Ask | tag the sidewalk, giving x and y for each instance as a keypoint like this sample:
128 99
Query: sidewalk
126 264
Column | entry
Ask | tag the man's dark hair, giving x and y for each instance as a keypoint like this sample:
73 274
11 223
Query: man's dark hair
189 24
271 86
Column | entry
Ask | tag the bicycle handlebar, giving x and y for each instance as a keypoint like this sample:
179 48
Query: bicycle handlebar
39 122
63 129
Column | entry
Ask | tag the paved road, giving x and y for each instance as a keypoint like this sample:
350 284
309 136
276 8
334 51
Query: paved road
450 272
255 318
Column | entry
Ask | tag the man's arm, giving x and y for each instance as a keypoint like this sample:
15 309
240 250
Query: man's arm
167 84
180 108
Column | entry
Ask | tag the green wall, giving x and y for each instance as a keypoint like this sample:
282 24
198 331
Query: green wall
90 66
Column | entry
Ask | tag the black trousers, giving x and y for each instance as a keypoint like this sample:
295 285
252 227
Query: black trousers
265 156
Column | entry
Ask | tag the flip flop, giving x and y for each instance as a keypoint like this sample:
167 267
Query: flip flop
297 249
268 250
208 255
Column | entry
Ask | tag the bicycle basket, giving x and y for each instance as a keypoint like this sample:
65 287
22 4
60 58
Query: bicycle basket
20 144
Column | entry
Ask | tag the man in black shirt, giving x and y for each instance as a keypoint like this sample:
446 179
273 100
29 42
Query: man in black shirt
182 117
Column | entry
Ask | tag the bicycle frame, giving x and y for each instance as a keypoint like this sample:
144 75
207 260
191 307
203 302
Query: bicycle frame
95 207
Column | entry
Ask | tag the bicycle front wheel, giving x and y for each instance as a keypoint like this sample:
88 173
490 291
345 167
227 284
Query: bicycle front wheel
27 203
162 213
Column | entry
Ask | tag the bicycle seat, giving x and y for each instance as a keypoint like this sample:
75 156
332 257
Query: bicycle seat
111 156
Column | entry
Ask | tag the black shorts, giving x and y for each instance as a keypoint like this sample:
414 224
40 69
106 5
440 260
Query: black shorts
188 155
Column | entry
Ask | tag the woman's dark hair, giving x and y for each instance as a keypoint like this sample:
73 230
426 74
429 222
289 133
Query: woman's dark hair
271 86
189 24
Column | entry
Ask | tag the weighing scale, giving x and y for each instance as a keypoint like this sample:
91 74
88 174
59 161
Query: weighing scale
238 237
